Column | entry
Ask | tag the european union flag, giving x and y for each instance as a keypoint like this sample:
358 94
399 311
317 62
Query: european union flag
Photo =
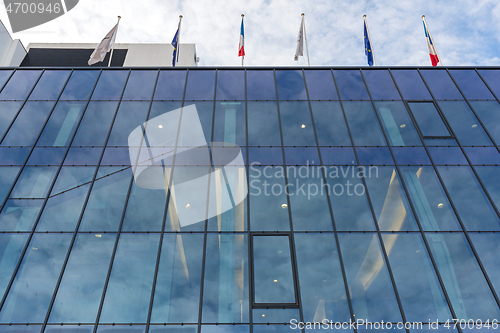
368 47
174 44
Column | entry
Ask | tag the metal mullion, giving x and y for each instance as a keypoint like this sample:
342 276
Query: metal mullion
63 268
339 252
165 212
377 227
8 79
292 239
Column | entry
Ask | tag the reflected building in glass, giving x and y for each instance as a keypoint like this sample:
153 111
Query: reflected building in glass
318 194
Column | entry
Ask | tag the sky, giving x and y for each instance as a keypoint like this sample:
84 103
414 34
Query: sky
465 32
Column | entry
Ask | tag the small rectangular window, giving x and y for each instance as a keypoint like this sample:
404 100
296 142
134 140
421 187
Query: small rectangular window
429 121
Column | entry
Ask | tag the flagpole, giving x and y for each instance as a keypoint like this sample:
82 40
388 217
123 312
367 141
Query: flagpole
243 57
430 36
178 40
370 39
305 37
114 37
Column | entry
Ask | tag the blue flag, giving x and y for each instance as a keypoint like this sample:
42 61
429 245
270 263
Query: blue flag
174 44
368 47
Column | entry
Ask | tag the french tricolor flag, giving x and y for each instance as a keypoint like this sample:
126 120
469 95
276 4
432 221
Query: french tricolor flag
241 47
430 45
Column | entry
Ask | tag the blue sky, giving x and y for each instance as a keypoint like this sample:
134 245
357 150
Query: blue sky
465 32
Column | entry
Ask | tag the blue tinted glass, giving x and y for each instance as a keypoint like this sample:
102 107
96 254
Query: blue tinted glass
121 329
290 85
230 85
371 292
62 124
230 123
374 155
469 198
397 124
380 84
140 85
265 156
296 124
20 85
116 156
25 129
483 155
200 85
205 114
492 78
83 156
441 142
86 271
177 292
260 85
338 156
301 156
429 199
174 328
429 120
464 124
280 316
95 125
13 156
222 329
410 155
170 85
488 246
447 155
410 84
490 176
46 156
320 85
489 113
363 123
263 124
50 85
34 182
471 85
321 283
7 178
80 85
72 177
19 215
351 85
129 116
110 85
272 270
30 294
4 76
21 328
9 111
330 124
11 247
440 84
131 275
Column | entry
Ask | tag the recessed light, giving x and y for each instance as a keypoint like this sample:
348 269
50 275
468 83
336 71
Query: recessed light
98 236
35 248
188 206
160 126
303 126
263 315
284 206
441 205
275 281
474 126
403 126
280 252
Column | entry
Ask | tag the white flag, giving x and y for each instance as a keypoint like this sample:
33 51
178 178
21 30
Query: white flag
300 41
104 47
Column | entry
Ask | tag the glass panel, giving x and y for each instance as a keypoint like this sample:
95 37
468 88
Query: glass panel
290 85
371 291
116 156
46 156
365 128
464 124
200 85
19 215
322 287
129 116
308 200
260 85
489 113
94 127
27 126
110 85
397 124
173 328
268 203
69 329
11 247
224 329
205 113
410 84
81 288
296 124
263 124
281 316
483 155
230 123
320 85
178 285
291 313
389 201
121 329
13 156
466 286
72 177
9 112
106 201
272 270
351 85
62 124
31 291
20 85
428 119
448 155
140 85
265 156
492 78
330 124
80 85
170 85
225 292
380 84
490 176
338 156
470 200
429 199
4 76
230 85
34 182
441 142
50 85
487 246
7 178
440 84
20 328
129 288
374 155
471 85
411 155
83 156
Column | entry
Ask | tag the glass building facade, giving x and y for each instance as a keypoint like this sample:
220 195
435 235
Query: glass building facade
367 194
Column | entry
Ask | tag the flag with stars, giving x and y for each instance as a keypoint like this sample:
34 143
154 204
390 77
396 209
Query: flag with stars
174 44
368 47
